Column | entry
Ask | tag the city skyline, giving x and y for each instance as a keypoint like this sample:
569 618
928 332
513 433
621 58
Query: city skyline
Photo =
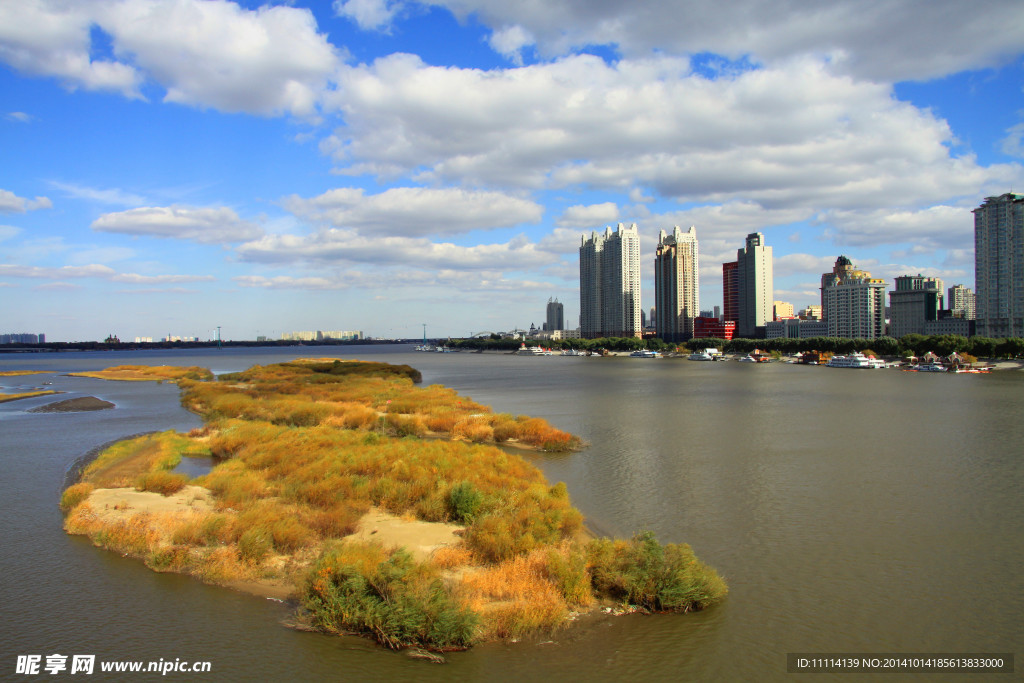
380 164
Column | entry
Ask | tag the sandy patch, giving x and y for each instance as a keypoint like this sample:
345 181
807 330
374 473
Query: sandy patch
421 539
112 505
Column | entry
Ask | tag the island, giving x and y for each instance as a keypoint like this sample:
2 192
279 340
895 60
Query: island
379 506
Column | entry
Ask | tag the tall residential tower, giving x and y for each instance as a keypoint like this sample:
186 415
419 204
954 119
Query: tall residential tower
676 284
610 283
755 287
999 266
853 302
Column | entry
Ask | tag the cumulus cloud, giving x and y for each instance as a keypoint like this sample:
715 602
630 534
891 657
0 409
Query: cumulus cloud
204 54
12 203
510 41
334 246
872 40
368 14
797 135
414 211
591 216
52 38
206 226
936 227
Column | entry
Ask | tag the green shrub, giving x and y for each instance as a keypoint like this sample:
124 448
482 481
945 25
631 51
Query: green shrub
254 545
362 588
659 578
464 501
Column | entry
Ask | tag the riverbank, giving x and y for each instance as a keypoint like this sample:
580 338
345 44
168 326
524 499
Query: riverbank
469 542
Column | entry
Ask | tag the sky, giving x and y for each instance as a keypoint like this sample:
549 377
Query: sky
168 167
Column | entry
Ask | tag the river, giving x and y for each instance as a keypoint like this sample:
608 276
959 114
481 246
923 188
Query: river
850 512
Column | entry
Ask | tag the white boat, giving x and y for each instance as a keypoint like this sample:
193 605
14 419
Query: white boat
856 360
426 347
748 359
643 353
572 352
700 355
931 367
525 350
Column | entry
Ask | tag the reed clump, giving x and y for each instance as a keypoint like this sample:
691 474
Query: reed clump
363 588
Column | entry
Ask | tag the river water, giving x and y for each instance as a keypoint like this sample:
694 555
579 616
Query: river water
859 512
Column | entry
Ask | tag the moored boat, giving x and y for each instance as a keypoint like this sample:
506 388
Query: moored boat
856 360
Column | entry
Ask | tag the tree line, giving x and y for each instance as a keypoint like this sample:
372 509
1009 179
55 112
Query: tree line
908 345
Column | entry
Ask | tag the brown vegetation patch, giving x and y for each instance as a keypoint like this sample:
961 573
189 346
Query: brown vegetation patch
74 405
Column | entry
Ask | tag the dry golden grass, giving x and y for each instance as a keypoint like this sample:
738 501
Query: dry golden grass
148 373
27 394
515 598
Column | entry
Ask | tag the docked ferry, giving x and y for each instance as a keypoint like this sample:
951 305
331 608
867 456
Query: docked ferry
856 360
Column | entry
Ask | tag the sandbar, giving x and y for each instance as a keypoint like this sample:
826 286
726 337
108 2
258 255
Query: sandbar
74 405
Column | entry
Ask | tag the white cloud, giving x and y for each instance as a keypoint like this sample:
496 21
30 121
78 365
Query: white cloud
936 227
1013 143
52 38
334 247
368 14
510 41
793 136
873 40
414 211
206 226
204 53
58 287
591 216
101 196
93 270
12 203
289 282
20 117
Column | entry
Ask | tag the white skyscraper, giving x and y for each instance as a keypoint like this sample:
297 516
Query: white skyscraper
610 283
755 287
676 284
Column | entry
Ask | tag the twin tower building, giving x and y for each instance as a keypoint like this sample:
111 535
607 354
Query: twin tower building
610 285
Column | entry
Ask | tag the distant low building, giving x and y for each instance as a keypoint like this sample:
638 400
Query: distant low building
914 303
795 328
713 328
782 310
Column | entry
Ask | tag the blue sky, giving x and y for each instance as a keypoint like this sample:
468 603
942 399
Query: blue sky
171 166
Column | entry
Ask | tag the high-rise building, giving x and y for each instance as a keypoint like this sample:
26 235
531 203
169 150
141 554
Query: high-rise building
555 316
915 302
730 292
999 266
961 302
610 283
755 286
676 284
853 302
